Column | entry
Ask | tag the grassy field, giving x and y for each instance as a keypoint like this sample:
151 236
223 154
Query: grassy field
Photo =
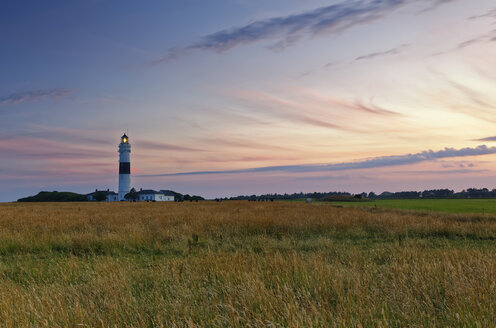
476 206
243 264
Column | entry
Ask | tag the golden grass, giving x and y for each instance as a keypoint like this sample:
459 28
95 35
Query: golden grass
241 264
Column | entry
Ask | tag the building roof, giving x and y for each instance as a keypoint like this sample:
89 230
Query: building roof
106 192
167 192
149 192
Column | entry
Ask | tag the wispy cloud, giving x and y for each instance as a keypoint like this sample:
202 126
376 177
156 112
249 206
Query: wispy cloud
33 96
490 14
436 4
288 109
316 108
438 172
242 143
487 37
472 100
49 150
289 30
327 177
493 138
153 145
376 162
393 51
101 139
358 105
473 96
93 137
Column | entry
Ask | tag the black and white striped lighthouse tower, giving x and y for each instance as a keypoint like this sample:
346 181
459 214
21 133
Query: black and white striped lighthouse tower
124 167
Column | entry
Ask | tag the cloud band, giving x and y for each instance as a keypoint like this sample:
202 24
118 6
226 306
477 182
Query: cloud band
376 162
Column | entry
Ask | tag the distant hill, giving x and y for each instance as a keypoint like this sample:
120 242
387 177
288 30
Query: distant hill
55 196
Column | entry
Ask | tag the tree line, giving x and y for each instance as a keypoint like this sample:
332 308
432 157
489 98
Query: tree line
433 193
436 193
45 196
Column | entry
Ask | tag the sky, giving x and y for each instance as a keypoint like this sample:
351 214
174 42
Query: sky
239 97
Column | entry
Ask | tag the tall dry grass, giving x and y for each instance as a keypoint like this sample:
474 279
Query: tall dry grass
243 264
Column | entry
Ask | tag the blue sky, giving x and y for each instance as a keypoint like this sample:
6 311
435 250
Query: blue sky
253 92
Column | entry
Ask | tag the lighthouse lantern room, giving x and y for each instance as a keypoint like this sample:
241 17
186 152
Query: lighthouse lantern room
124 167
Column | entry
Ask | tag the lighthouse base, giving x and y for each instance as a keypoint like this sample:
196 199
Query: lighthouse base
124 185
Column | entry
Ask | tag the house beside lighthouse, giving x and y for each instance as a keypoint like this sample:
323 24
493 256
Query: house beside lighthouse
124 167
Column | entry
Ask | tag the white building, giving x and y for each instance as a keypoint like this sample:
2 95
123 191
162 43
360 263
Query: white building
110 196
154 196
168 194
147 195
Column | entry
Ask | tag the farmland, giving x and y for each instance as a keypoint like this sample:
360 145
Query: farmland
476 206
239 264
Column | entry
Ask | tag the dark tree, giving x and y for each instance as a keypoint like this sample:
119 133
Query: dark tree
100 196
132 195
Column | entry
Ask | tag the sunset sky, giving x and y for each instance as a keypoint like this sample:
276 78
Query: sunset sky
230 97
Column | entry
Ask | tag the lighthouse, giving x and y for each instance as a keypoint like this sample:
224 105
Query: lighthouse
124 167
